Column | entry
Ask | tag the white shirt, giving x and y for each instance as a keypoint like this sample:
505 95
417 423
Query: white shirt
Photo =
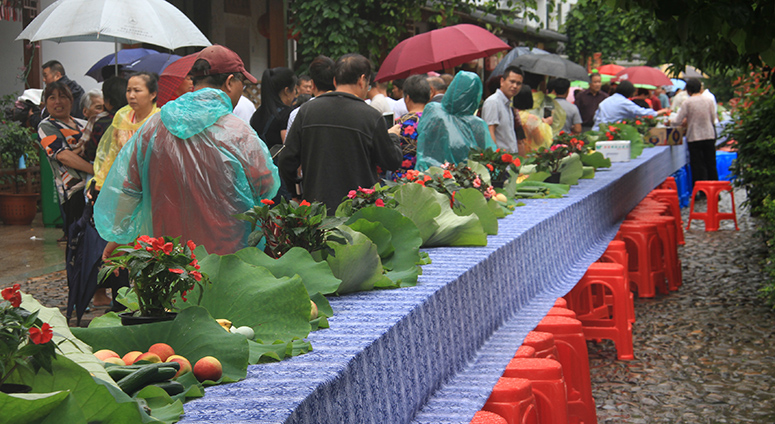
399 109
496 110
244 109
381 103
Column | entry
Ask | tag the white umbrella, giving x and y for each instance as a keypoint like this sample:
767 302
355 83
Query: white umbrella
118 21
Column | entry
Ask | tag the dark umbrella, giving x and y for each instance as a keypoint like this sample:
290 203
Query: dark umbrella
84 258
439 49
152 63
511 55
123 57
551 65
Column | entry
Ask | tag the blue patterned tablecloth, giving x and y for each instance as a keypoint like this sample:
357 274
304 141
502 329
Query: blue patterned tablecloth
432 353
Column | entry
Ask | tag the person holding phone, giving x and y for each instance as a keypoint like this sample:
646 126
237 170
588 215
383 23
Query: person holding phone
417 93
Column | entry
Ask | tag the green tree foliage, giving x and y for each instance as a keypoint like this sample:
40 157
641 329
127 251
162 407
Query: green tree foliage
594 26
374 27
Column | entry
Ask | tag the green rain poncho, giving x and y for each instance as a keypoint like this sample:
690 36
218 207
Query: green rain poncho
448 130
186 173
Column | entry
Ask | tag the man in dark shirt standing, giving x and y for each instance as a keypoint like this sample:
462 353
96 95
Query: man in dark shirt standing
54 71
588 100
338 139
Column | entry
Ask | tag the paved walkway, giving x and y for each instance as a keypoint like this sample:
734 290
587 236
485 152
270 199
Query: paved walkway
29 251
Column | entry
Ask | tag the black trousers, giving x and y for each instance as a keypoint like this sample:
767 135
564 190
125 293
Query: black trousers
702 159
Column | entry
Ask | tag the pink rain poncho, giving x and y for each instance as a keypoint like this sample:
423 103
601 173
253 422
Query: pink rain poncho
448 130
186 173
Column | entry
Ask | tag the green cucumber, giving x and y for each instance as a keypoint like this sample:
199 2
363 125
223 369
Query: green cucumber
148 374
117 373
171 387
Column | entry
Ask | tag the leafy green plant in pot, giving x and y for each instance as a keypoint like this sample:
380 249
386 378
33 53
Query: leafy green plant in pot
18 201
159 268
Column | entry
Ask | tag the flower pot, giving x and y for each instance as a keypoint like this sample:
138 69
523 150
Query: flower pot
128 318
554 178
15 388
18 209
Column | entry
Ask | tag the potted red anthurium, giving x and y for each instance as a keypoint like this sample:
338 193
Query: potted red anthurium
25 341
159 268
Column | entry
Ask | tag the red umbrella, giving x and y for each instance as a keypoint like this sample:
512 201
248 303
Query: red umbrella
172 76
439 49
644 75
610 69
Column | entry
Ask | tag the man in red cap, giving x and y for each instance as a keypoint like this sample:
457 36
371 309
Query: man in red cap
192 167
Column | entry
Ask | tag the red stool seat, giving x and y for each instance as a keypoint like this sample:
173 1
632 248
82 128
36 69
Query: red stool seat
666 229
561 312
669 184
560 303
525 352
572 346
615 324
712 216
670 197
616 253
512 399
644 249
549 390
487 417
543 344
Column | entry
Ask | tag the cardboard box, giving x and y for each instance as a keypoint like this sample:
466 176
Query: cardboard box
665 136
616 150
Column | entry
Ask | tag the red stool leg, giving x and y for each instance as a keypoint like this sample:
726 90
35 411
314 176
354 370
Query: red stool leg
548 383
512 399
572 346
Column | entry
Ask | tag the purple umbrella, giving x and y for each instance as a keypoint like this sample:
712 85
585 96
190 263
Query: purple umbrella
152 63
125 57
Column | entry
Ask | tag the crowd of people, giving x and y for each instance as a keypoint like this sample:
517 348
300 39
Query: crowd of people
127 167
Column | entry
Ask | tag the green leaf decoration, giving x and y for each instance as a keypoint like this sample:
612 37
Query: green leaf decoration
596 159
162 406
110 319
357 264
317 276
31 407
403 263
415 202
249 295
193 388
378 234
498 209
277 351
480 169
555 190
589 173
194 334
473 202
324 307
571 170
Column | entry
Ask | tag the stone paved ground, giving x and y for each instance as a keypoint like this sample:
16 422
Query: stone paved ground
704 354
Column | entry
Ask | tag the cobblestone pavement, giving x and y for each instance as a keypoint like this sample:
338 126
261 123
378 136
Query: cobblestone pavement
704 354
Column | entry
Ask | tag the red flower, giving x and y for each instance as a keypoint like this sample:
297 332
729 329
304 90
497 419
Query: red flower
146 239
197 275
167 248
637 122
267 202
452 200
183 295
191 245
304 203
447 174
366 190
507 158
352 194
489 166
427 178
380 203
176 270
12 295
41 335
517 162
421 182
195 264
406 164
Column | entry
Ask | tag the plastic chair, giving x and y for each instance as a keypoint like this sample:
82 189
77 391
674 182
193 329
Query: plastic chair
615 324
561 312
512 399
543 345
667 233
560 303
712 216
669 184
671 198
644 249
616 253
525 352
572 346
487 417
548 383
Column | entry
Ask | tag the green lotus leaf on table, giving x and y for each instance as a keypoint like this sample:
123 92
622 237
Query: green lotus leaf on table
249 295
589 173
596 159
556 191
438 224
402 264
473 202
357 264
194 334
317 276
277 351
571 169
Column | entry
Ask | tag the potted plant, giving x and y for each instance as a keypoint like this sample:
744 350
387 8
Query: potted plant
498 162
18 198
25 341
159 268
549 160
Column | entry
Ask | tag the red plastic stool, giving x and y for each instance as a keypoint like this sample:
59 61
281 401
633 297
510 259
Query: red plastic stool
561 312
487 417
670 197
526 352
615 323
572 345
543 345
712 216
617 253
669 184
667 233
560 303
548 383
512 399
644 249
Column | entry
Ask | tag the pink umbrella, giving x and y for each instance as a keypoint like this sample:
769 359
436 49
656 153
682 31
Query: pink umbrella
172 76
439 49
610 69
644 75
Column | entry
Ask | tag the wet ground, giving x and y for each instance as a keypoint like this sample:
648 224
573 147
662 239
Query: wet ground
704 354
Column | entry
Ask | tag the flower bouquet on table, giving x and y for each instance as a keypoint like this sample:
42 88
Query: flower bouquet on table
576 143
498 162
159 268
25 341
362 197
549 159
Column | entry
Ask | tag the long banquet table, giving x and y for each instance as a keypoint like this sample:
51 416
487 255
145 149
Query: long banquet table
432 353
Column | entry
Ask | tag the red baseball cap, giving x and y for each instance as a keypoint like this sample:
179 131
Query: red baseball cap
222 60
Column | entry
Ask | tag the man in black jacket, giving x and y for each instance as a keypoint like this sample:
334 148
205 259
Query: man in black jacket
54 71
339 140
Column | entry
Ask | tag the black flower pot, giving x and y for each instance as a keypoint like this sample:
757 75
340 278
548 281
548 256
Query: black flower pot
15 388
128 318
